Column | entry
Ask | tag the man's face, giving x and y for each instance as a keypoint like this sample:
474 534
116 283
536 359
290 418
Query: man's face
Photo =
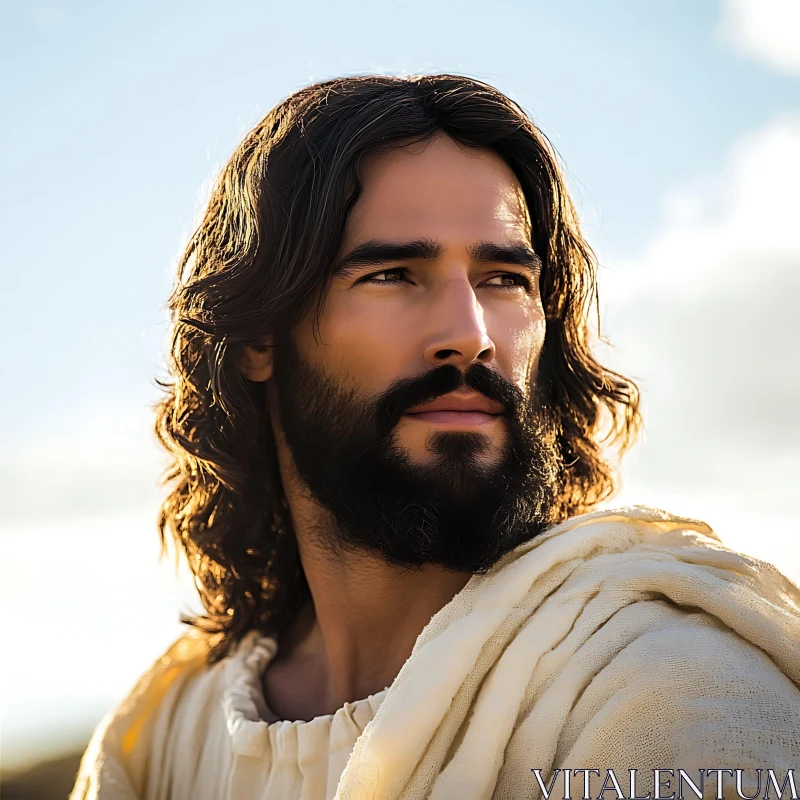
415 409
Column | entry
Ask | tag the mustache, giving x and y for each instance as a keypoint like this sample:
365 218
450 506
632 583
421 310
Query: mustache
409 392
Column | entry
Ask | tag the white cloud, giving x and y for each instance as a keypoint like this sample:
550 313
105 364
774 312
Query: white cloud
99 458
93 591
705 320
721 225
768 30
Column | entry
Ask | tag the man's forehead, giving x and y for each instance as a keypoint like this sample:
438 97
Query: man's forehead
438 190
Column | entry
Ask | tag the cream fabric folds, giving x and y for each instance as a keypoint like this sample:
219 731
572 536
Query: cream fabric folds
188 732
616 640
628 639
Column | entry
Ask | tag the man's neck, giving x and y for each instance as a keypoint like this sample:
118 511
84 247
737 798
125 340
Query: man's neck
364 619
362 623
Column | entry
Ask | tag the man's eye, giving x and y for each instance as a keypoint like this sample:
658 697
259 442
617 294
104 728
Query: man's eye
509 280
384 277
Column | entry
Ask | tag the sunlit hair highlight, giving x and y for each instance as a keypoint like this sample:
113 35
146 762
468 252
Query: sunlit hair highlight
261 258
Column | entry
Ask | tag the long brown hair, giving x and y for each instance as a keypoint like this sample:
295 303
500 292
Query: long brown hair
254 266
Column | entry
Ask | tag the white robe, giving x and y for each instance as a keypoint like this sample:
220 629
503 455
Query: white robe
617 640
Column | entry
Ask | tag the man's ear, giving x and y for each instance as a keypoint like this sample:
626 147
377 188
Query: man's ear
254 362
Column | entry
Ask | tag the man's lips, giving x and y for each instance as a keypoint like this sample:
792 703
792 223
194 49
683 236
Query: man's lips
460 402
458 409
468 418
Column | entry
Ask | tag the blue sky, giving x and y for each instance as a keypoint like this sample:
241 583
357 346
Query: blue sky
677 121
119 112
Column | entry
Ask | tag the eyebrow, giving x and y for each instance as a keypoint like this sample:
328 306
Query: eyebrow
374 253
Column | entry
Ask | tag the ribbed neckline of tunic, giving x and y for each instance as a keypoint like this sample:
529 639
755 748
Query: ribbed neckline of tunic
255 730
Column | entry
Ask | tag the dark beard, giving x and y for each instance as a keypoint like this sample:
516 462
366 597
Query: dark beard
454 512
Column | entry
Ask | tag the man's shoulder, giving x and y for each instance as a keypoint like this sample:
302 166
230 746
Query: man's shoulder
687 689
637 603
677 646
121 747
669 579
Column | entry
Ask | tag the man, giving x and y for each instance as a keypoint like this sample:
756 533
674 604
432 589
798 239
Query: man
387 423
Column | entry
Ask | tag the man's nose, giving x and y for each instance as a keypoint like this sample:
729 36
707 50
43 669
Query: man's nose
458 328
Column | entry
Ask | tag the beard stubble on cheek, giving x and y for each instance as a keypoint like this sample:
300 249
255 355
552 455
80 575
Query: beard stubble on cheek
459 509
